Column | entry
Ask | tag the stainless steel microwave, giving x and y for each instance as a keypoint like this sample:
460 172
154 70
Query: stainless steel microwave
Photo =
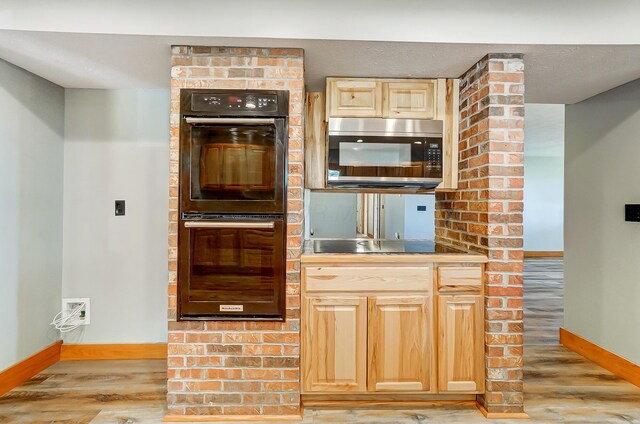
378 152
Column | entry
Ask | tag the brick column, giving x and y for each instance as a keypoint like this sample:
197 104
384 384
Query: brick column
224 367
485 213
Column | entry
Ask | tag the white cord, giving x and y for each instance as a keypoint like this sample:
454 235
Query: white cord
69 321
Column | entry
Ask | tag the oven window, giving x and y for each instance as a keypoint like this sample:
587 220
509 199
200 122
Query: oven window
233 162
233 265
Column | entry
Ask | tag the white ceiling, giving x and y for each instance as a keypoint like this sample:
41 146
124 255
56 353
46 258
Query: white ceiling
568 22
554 73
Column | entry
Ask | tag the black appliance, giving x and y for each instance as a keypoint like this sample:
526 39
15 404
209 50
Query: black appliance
233 151
232 226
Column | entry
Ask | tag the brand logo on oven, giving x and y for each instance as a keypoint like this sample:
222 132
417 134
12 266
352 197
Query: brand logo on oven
231 308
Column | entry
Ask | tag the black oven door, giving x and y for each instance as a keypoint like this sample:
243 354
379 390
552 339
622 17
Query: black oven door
233 165
384 160
231 269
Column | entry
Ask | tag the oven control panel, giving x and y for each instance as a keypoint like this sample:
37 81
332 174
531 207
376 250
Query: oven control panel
226 103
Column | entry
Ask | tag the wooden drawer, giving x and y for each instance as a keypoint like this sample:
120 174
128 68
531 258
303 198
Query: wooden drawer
460 278
379 279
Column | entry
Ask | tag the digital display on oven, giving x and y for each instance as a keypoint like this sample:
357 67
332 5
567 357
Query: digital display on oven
234 100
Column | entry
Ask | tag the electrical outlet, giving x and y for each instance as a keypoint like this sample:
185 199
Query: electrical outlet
69 304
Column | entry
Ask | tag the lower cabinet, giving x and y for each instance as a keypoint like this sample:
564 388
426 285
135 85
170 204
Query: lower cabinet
375 344
334 344
460 343
392 330
400 343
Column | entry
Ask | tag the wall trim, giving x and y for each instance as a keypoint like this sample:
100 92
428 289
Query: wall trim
543 254
80 352
230 418
621 367
502 415
27 368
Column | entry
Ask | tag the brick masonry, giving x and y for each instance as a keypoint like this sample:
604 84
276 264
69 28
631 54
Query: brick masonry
238 368
485 213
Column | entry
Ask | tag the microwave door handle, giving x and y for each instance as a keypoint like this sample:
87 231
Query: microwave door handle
232 121
221 224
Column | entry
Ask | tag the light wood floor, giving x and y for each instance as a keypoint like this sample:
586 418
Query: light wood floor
560 386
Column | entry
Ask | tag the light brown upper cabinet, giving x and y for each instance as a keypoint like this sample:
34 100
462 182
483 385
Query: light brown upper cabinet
354 97
409 100
383 98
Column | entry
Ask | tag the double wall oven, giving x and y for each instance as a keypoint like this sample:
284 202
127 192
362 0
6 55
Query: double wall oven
232 226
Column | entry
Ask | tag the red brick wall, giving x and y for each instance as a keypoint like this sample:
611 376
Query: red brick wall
238 368
485 213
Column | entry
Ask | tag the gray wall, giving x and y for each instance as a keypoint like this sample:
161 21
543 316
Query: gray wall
602 251
392 216
117 147
402 216
419 224
31 159
543 203
331 215
544 177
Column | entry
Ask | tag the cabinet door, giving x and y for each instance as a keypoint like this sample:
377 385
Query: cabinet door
409 100
334 344
355 98
460 343
400 352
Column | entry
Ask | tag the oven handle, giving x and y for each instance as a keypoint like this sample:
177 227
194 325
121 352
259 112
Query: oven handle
226 224
235 121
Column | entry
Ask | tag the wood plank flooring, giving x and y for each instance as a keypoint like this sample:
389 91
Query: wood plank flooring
560 386
543 301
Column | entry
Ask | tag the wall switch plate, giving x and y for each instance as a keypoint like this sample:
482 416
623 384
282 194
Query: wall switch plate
632 213
71 303
120 207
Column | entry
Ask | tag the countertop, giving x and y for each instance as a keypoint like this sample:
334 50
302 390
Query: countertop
441 253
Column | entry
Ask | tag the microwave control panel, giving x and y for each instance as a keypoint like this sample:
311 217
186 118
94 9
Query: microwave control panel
433 158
